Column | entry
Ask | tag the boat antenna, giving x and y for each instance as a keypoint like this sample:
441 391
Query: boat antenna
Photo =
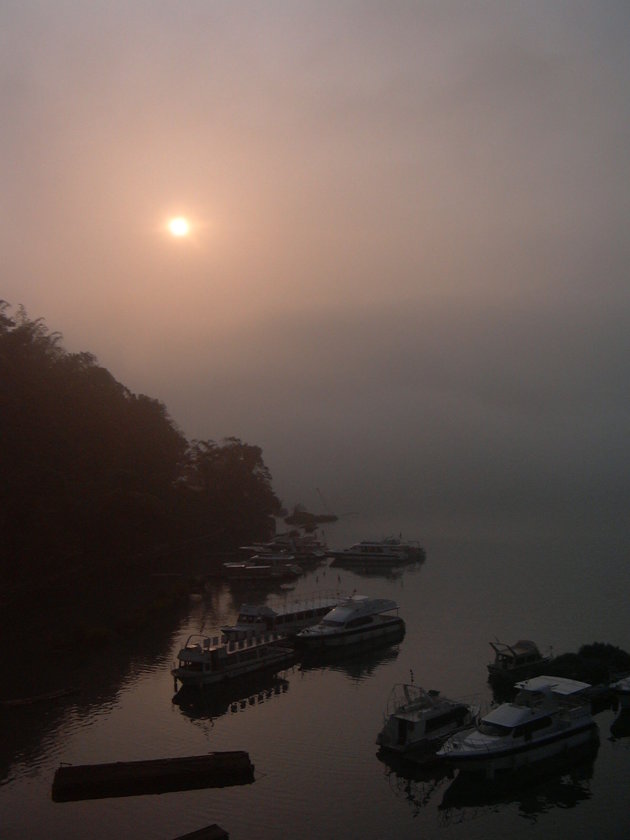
411 675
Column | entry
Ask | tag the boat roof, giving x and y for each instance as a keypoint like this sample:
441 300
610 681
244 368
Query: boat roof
256 609
388 541
522 647
362 605
511 714
312 603
557 685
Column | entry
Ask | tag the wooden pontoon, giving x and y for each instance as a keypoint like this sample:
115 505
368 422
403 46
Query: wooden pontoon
211 832
130 778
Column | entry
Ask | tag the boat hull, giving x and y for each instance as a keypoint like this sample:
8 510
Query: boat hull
397 737
274 658
393 628
522 754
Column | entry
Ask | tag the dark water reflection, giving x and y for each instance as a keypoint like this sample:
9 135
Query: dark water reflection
311 729
237 696
559 783
356 662
417 784
620 727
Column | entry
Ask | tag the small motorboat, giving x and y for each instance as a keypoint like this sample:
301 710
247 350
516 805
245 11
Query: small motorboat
417 722
515 662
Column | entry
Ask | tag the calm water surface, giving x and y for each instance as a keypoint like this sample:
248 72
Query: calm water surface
311 732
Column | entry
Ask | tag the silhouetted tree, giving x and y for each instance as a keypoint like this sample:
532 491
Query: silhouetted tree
89 468
231 488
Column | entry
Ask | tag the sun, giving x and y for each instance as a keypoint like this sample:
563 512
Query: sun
179 226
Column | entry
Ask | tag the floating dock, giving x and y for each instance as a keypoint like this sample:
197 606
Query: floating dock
131 778
211 832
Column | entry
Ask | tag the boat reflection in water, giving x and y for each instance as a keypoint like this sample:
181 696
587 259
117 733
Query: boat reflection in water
373 570
203 703
357 661
620 727
563 781
418 783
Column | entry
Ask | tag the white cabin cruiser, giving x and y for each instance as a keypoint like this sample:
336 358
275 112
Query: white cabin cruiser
417 722
548 716
390 550
208 661
357 619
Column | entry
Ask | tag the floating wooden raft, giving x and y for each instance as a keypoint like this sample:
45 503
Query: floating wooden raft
129 778
211 832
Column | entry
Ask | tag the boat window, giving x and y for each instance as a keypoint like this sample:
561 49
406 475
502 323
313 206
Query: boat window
332 622
526 729
245 655
360 621
452 716
496 729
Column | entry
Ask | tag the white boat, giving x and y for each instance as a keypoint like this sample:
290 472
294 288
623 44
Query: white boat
417 722
288 618
548 717
391 550
358 619
209 661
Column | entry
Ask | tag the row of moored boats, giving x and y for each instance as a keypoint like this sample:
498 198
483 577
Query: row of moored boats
263 637
287 556
547 715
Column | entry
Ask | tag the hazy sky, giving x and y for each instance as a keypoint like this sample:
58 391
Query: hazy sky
407 277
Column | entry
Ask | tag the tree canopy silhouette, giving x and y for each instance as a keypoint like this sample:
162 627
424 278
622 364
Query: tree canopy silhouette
91 469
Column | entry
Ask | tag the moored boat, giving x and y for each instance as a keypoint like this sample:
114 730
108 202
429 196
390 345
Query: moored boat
288 618
356 620
516 662
263 568
391 550
305 550
417 722
208 661
549 716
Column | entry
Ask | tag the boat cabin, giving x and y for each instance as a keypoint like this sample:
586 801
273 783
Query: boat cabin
516 661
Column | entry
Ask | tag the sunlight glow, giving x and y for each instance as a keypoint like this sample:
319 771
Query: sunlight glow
179 226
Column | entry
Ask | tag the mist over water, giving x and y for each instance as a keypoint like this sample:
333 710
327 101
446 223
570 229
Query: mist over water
405 280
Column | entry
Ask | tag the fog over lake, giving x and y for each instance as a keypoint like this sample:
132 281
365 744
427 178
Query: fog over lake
406 274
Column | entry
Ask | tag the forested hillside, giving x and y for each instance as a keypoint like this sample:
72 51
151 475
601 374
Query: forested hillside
91 471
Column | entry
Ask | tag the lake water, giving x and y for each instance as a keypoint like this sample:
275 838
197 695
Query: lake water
311 732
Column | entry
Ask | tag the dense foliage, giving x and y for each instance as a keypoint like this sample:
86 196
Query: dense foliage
91 470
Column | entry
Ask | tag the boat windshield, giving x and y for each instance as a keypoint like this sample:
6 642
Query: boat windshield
495 729
333 622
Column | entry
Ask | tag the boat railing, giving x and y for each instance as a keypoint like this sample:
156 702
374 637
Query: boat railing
250 639
311 601
238 641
